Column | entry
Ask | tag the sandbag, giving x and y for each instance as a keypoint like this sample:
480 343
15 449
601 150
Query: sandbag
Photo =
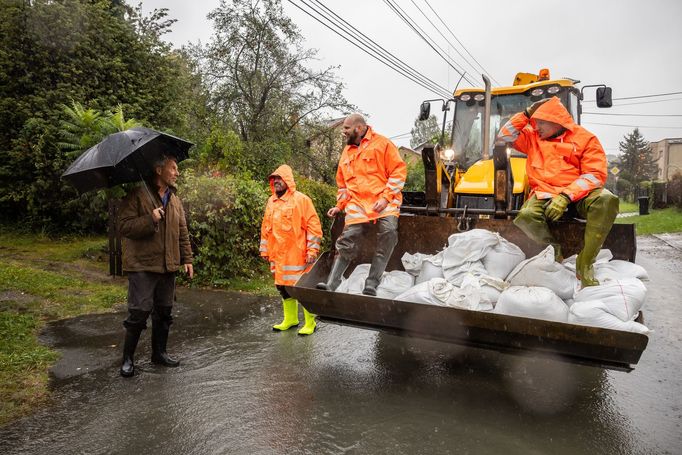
412 263
455 275
542 270
356 281
623 298
432 267
468 246
439 291
617 269
596 314
532 302
502 258
394 283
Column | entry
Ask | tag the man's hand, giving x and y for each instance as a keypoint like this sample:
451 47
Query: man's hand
157 214
556 207
534 107
379 205
310 258
332 212
189 270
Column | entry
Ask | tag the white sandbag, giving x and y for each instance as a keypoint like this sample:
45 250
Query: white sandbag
439 291
455 275
604 255
492 287
468 246
596 314
502 258
532 302
412 263
542 270
617 269
356 281
623 298
432 267
394 283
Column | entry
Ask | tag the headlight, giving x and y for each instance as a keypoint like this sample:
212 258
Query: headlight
465 97
479 97
553 89
447 155
537 92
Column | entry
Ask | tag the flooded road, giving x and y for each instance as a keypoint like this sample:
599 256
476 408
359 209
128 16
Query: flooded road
243 389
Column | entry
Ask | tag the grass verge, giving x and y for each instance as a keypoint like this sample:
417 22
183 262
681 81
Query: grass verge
657 222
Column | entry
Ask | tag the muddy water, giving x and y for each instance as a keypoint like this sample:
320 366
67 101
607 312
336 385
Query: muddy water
243 389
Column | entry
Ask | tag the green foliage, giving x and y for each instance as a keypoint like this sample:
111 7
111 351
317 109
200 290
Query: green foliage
102 52
415 176
674 189
324 198
636 159
425 131
657 222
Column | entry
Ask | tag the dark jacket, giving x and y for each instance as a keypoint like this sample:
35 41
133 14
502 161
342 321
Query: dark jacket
150 247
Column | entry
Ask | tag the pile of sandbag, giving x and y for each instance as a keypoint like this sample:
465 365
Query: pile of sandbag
480 270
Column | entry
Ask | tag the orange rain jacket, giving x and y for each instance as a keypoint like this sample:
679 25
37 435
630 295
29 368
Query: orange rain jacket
574 163
367 172
290 231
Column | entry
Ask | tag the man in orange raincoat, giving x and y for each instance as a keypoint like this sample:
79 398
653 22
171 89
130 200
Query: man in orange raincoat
370 179
290 239
566 165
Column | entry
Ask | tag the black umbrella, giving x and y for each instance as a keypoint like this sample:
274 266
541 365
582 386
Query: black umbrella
123 157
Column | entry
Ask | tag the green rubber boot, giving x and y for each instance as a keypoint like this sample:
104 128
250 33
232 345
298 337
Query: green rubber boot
290 307
310 324
531 220
602 208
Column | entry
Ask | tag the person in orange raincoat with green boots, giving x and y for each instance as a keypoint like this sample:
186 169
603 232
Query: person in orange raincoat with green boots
566 165
290 240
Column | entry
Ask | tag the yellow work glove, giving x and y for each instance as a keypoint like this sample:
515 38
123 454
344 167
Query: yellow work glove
556 207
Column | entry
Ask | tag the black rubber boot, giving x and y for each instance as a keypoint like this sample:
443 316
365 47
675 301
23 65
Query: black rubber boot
338 268
376 270
161 321
129 345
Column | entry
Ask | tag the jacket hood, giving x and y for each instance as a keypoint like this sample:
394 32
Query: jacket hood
286 174
555 112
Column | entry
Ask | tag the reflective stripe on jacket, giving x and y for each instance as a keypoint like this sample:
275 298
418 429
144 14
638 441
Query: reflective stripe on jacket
290 231
367 172
574 163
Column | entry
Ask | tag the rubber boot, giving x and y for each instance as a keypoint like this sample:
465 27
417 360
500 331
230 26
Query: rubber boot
160 328
339 266
531 220
290 309
600 218
310 324
376 270
129 346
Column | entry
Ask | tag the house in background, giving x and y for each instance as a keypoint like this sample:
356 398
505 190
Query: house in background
668 155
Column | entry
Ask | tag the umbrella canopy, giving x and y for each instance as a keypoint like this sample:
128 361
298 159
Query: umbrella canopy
126 156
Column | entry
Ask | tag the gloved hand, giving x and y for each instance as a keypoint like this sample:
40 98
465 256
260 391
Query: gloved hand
556 207
530 110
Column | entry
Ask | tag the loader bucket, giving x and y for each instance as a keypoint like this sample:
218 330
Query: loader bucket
594 346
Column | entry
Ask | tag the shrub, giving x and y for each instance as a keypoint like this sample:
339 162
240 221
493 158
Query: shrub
324 198
675 190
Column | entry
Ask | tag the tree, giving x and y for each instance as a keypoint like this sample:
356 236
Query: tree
425 131
637 161
259 79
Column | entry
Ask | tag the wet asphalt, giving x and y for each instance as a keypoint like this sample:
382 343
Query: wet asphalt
244 389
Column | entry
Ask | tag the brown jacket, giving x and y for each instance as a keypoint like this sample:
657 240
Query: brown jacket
148 247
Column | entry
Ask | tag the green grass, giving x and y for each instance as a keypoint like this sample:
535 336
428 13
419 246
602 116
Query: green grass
628 207
657 222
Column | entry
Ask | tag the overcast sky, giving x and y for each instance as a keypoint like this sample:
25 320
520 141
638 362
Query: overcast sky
631 45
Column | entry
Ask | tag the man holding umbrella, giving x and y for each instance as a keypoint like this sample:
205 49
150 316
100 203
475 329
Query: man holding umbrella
155 246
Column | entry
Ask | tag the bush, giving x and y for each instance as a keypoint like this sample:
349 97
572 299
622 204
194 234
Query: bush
225 215
324 198
675 190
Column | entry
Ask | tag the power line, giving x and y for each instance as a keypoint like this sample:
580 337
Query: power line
646 102
634 126
407 71
423 35
397 136
460 43
634 115
639 97
445 38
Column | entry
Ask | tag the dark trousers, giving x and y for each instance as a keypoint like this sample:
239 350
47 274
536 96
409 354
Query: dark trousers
149 293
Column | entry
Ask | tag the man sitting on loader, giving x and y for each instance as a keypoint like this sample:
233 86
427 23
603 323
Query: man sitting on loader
370 179
566 165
